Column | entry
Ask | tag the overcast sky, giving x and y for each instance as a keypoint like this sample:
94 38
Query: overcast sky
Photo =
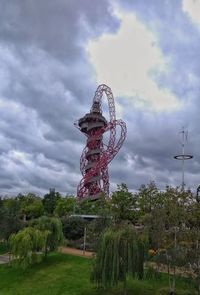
53 55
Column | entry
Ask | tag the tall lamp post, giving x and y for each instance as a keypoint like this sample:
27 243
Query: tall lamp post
183 157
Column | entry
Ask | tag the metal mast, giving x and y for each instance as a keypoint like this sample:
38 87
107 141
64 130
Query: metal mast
183 156
96 155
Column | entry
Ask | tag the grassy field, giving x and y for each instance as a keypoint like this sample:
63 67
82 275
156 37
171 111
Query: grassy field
63 274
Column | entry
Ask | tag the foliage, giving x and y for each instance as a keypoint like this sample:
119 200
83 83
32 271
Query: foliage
86 206
123 204
170 217
100 223
176 204
147 198
73 227
65 206
10 221
25 244
191 246
50 200
120 253
95 229
167 230
52 226
30 206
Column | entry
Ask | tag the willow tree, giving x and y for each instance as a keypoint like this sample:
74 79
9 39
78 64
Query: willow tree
121 253
53 227
25 246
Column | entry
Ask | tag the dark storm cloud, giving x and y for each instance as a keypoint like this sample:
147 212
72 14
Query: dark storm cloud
154 137
47 83
57 27
45 86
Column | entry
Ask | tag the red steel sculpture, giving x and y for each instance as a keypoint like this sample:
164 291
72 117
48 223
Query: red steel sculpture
96 155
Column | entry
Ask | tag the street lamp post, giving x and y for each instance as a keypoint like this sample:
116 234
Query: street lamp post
182 157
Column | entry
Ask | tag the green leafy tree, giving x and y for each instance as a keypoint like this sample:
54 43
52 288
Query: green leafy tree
73 227
12 205
121 253
25 244
30 206
53 227
101 222
65 206
103 206
87 207
167 229
147 198
176 203
97 207
191 241
152 217
10 221
123 204
50 200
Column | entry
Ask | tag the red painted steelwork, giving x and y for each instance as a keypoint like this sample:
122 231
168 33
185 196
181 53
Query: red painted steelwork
96 155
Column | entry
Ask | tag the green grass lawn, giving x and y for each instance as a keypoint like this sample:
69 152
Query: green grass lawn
63 274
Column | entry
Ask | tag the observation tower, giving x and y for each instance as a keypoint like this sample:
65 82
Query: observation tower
97 155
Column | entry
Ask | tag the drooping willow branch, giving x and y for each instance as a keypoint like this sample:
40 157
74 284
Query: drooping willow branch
121 253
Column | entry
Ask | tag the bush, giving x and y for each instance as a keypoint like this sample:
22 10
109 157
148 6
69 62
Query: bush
73 227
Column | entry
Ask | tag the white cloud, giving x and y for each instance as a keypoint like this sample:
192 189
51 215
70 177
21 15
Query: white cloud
192 8
127 61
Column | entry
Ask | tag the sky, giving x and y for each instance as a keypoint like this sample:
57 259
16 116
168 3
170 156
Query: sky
54 54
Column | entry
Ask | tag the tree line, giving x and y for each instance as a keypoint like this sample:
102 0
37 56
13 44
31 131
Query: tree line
166 223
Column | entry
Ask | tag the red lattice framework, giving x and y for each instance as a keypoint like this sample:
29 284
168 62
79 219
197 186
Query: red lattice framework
96 155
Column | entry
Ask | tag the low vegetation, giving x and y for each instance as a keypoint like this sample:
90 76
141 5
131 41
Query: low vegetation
33 227
62 274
